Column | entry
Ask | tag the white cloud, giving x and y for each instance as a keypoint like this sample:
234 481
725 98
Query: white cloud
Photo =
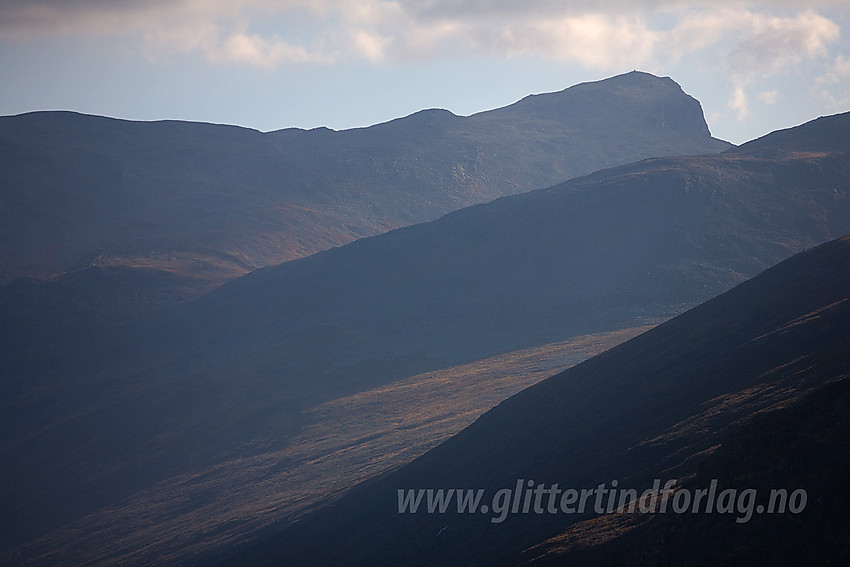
833 87
754 46
594 40
738 103
769 97
368 45
254 50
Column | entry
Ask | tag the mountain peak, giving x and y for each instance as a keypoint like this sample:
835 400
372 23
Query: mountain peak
424 117
643 103
638 76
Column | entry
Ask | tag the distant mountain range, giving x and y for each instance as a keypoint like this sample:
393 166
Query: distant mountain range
213 202
124 435
750 389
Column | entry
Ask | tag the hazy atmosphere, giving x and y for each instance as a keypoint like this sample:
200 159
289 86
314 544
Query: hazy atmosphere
476 283
755 66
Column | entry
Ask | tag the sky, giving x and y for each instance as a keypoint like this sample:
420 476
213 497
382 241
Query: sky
266 64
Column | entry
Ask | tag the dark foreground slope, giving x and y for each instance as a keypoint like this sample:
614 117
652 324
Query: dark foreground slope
215 201
652 408
804 446
90 420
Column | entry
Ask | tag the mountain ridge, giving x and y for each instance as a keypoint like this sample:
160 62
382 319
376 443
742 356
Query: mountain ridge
131 188
238 371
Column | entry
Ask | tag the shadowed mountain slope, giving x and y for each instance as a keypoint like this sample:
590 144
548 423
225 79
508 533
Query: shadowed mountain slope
91 420
651 408
83 190
804 446
813 137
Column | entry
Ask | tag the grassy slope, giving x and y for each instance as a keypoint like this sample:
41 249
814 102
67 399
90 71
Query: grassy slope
650 408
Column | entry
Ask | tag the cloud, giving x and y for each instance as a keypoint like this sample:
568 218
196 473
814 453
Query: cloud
593 40
369 45
501 9
773 44
33 19
216 28
603 35
751 46
769 97
254 50
738 103
833 87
